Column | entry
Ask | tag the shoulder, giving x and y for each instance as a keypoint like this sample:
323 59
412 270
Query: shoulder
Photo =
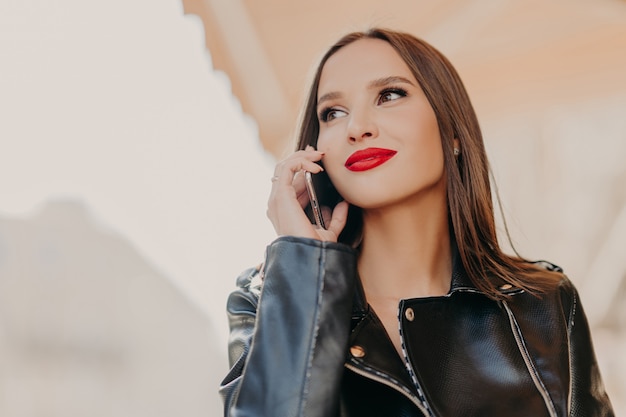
561 285
250 280
560 291
546 265
549 312
245 298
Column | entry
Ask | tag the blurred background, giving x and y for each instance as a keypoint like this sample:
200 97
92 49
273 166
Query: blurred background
137 139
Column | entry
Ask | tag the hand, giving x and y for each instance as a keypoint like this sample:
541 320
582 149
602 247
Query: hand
285 207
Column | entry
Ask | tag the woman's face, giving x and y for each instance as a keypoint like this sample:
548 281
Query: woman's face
378 131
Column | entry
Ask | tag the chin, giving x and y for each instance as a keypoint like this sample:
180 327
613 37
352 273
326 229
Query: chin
370 199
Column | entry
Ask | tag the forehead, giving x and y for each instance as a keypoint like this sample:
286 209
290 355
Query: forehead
361 62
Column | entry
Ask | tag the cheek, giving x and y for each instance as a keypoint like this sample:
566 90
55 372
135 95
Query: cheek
424 137
327 143
332 161
324 140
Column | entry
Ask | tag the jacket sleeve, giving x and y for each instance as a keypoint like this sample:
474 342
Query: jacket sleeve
288 344
588 396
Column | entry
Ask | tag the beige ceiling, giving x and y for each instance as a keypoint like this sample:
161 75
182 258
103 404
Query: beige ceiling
529 50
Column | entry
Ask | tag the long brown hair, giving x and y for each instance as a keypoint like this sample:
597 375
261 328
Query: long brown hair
468 186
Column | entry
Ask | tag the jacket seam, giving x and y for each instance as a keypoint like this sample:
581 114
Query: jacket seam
573 312
521 345
570 327
318 309
375 375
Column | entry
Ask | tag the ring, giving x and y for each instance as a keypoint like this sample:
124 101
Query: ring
274 178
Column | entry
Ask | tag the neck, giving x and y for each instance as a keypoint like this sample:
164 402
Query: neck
405 252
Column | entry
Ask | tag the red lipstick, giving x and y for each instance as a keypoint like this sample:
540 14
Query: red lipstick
368 158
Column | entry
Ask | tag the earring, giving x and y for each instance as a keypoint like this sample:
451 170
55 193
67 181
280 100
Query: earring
457 151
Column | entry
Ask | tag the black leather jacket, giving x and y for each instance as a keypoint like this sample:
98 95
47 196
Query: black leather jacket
308 345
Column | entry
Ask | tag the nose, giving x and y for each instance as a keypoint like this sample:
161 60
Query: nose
361 126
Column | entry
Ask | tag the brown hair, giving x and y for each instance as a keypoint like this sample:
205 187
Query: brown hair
468 186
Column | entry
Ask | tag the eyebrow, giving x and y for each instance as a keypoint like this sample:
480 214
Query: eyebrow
377 83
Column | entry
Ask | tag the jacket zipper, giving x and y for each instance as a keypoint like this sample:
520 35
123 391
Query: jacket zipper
529 365
409 366
388 383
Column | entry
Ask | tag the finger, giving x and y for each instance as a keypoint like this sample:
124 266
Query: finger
303 199
286 170
299 186
288 194
338 218
286 174
309 154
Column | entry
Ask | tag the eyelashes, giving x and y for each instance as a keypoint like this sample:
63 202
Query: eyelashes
386 95
329 113
389 94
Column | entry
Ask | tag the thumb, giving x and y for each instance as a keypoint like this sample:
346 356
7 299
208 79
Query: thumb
339 218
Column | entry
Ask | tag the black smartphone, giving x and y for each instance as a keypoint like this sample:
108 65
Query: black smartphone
321 193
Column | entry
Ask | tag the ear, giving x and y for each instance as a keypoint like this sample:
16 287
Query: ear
457 146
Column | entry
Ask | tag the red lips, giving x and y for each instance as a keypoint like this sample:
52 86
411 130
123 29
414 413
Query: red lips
368 158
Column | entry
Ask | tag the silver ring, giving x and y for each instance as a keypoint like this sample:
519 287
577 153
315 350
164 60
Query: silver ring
274 178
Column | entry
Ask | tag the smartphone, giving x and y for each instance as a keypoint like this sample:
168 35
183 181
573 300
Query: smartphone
314 201
322 192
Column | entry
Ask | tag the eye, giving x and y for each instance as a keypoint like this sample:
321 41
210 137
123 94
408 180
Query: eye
331 113
391 94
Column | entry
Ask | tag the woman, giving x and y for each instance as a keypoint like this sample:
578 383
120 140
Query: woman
405 305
